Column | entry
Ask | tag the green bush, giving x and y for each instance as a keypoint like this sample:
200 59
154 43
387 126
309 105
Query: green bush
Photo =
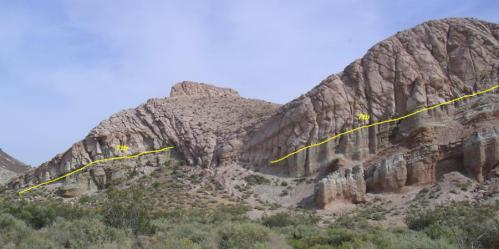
278 220
364 237
41 214
288 219
243 236
127 209
198 233
84 233
36 216
177 244
256 180
467 225
12 230
38 242
123 220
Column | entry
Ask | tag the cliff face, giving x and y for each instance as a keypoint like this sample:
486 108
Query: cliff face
204 123
10 167
431 63
428 64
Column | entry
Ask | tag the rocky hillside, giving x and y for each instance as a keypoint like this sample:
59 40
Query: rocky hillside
214 127
205 123
10 167
428 64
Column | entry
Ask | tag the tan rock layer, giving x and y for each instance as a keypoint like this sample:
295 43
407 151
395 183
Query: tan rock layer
428 64
206 125
210 126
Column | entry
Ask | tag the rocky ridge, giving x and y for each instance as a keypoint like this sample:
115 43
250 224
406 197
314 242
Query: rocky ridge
428 64
204 123
212 127
10 167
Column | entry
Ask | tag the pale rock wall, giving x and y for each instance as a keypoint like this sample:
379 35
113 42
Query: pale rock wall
430 63
346 184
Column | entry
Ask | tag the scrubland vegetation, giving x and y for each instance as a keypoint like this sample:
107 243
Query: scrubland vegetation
124 219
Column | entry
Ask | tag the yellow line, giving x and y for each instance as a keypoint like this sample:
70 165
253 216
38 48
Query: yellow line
384 122
90 164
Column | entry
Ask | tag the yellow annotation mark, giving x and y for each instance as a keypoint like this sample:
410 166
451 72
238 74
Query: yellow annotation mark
122 148
363 117
90 164
384 122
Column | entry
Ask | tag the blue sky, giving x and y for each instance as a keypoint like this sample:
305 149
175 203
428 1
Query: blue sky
67 65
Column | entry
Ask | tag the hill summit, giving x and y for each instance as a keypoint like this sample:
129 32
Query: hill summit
232 139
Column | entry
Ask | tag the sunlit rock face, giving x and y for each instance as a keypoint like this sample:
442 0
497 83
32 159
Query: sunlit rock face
431 63
206 124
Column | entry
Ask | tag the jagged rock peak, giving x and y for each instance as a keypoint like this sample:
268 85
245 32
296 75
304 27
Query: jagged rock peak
189 88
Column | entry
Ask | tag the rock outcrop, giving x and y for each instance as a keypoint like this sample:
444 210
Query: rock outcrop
389 175
346 184
428 64
481 152
206 125
189 88
210 126
10 167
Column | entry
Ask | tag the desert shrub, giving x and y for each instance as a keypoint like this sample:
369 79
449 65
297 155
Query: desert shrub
177 244
34 215
127 209
278 220
380 238
41 214
243 236
300 231
86 199
352 221
36 241
467 225
198 233
256 179
161 225
85 233
364 237
287 219
321 247
12 230
206 216
225 213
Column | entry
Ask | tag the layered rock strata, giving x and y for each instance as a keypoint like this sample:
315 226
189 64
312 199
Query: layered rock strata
428 64
345 184
205 123
210 126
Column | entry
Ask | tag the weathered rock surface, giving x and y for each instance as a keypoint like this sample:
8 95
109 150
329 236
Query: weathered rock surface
189 88
343 184
10 167
428 64
211 126
206 125
481 152
390 175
